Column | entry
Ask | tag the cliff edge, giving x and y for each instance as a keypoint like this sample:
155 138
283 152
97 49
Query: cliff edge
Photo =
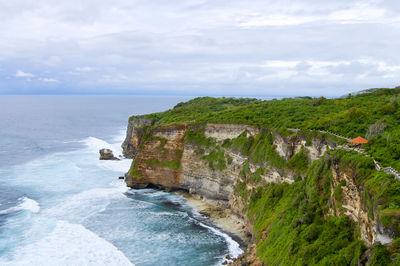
238 166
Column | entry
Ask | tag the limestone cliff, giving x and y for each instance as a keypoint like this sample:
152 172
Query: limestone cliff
213 161
136 128
351 203
164 159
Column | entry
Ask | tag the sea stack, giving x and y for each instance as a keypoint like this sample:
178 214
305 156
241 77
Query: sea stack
107 154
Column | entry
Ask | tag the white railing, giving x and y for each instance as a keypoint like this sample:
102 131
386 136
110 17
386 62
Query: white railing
334 134
378 166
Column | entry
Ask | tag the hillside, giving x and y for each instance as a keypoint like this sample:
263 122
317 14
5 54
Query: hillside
305 198
373 114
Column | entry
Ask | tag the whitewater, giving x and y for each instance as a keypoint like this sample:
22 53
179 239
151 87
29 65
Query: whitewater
67 207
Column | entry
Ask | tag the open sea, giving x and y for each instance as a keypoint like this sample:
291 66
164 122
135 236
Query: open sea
61 205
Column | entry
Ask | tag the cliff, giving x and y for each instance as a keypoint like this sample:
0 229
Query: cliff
164 158
240 166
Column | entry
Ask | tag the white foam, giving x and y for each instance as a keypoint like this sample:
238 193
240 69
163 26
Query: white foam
87 203
30 205
26 204
121 136
119 185
114 165
233 246
95 144
69 244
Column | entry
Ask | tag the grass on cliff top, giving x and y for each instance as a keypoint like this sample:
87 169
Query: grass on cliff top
373 113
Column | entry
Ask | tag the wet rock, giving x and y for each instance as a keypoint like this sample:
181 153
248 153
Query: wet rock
121 177
107 154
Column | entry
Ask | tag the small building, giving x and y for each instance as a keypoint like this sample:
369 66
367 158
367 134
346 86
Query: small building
358 141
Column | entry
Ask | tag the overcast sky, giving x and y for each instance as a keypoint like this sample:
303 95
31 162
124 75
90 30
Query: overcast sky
199 47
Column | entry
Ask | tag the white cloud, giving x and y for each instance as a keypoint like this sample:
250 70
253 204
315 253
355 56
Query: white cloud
84 69
281 63
49 80
211 46
360 13
276 20
22 74
356 13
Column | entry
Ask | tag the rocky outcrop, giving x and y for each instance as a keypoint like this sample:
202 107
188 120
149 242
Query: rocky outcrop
157 162
107 154
221 132
289 146
351 205
136 128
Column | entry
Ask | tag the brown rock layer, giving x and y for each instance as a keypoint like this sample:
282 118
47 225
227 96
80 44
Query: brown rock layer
164 159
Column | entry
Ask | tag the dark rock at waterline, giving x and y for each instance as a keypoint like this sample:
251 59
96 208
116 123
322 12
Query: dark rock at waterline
121 177
107 154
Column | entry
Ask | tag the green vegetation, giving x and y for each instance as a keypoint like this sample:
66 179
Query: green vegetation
291 221
380 256
215 159
171 164
303 223
299 161
134 171
215 156
337 193
241 190
196 109
196 136
291 228
260 149
375 113
163 141
256 176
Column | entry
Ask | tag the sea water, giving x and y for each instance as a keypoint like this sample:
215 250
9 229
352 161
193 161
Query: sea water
61 205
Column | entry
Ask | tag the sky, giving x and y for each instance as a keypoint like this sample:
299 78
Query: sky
199 47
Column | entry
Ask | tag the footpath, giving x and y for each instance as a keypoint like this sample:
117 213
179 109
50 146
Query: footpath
378 166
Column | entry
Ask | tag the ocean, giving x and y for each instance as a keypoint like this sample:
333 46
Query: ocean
61 205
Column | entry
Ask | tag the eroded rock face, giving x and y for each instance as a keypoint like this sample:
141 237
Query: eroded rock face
352 206
198 178
158 161
136 128
289 146
166 160
228 131
107 154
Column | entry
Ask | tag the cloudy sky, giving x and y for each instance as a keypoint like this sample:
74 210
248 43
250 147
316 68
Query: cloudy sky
199 47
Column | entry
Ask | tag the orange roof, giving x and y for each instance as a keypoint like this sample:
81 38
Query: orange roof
358 140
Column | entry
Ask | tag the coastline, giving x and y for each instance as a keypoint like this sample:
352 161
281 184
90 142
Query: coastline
221 216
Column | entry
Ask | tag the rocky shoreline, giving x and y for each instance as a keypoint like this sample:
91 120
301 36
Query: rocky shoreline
222 216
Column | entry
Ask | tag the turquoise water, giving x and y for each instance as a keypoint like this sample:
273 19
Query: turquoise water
60 205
